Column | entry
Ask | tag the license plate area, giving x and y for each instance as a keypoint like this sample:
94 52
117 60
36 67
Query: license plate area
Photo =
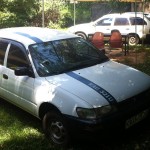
135 119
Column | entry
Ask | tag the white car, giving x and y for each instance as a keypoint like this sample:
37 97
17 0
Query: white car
70 85
135 27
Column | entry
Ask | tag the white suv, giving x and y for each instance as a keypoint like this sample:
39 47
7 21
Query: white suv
135 26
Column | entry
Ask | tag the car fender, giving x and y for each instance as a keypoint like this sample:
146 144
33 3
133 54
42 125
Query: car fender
61 99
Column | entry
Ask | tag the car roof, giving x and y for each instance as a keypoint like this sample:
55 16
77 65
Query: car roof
31 35
127 14
143 13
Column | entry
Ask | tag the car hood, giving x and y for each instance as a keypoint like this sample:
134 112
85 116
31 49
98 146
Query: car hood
80 26
103 83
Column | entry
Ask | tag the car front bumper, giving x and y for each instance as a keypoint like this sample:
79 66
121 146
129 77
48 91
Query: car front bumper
129 113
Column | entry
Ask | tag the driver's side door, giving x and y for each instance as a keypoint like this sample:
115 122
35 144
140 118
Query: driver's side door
20 89
104 25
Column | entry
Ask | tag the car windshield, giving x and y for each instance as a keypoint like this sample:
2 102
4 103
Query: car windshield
55 57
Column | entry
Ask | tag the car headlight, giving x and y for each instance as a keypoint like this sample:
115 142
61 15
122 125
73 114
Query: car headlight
94 113
86 113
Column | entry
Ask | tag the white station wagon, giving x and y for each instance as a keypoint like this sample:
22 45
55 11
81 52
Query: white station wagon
133 25
69 84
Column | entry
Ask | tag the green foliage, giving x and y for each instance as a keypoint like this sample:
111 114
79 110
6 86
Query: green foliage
17 12
7 19
56 14
82 12
3 5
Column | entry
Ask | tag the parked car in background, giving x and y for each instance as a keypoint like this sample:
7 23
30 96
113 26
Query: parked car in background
135 27
69 84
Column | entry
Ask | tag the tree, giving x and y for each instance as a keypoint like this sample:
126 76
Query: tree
56 14
17 12
82 11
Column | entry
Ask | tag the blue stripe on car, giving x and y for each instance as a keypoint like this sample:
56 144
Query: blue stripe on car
35 39
94 86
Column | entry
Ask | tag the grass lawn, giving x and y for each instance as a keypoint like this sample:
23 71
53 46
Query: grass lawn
21 131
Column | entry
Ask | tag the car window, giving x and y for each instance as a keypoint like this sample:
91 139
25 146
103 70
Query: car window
121 22
3 47
16 58
137 21
59 56
105 22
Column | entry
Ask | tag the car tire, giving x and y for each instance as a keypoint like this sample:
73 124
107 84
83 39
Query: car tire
82 35
133 40
55 129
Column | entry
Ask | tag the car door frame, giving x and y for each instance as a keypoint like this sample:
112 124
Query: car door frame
106 29
17 86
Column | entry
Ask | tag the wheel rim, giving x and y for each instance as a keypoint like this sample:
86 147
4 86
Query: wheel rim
133 40
81 35
57 132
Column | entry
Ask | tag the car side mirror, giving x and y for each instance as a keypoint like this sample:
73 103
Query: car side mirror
23 71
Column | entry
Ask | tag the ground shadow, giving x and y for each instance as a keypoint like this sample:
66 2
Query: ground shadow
137 138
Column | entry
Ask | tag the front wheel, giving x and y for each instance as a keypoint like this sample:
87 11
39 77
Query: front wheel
55 129
133 40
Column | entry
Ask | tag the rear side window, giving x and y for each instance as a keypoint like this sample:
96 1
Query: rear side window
3 47
121 22
16 58
137 21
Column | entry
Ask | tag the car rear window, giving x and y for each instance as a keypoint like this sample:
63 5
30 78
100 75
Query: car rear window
137 21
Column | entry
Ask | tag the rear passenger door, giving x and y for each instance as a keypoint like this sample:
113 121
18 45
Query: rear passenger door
122 24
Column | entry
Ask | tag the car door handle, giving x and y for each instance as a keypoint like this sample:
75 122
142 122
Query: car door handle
5 76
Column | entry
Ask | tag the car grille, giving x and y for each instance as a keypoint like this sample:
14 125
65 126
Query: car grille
138 102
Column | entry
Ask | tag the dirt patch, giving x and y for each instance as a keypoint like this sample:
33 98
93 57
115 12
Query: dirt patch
131 57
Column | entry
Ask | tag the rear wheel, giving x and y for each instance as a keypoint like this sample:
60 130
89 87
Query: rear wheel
133 40
55 129
81 34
